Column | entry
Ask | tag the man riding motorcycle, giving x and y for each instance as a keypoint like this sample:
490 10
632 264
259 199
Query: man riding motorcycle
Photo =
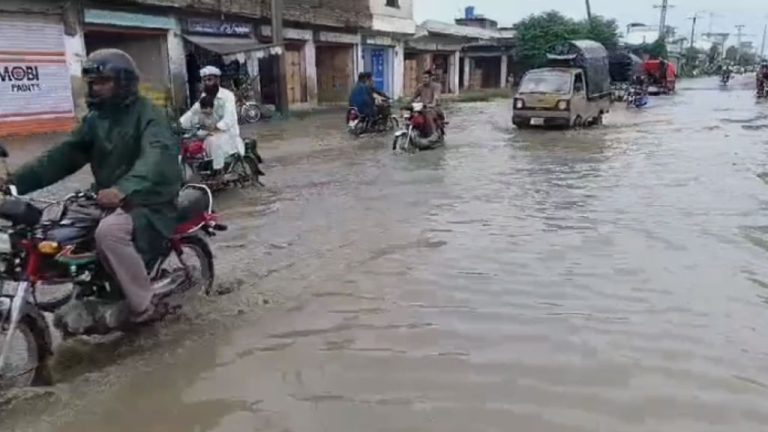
134 160
224 139
762 78
428 93
362 98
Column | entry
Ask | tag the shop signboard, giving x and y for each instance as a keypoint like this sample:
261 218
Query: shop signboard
34 87
219 28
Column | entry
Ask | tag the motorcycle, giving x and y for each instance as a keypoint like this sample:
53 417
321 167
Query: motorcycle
55 245
762 90
358 124
416 134
725 79
197 166
636 98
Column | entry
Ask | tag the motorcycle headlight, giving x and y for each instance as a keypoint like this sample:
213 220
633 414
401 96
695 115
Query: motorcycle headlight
563 105
519 104
48 248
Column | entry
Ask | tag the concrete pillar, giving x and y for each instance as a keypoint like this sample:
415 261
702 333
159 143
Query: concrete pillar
398 82
310 60
467 72
504 71
177 64
74 49
454 64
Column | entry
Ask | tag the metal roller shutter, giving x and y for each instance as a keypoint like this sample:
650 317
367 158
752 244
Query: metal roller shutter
35 87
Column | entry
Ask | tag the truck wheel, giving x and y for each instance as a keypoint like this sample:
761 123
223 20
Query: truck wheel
578 122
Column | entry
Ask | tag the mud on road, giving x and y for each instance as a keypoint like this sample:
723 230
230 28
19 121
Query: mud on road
603 279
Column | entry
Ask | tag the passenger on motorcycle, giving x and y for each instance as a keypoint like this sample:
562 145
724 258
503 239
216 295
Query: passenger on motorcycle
224 138
134 160
362 98
428 93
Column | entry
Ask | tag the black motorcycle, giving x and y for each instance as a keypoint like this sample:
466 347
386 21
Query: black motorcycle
52 243
358 124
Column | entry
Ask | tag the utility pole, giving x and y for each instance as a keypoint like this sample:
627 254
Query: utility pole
277 38
589 12
693 27
664 6
762 47
739 35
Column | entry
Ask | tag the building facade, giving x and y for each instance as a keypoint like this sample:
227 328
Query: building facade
384 44
46 41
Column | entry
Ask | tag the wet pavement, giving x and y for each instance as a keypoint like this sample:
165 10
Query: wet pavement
610 279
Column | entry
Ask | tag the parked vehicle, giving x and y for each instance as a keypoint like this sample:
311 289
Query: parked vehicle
574 91
661 76
358 124
416 134
55 245
197 166
624 67
248 110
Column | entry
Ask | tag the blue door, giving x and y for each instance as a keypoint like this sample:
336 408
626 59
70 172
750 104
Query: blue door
378 67
376 60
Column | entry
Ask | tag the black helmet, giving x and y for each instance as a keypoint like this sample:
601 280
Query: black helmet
114 64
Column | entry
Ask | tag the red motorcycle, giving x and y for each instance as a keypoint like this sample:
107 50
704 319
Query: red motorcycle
416 134
239 169
52 243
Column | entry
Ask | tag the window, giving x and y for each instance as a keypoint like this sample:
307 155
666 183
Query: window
578 85
393 3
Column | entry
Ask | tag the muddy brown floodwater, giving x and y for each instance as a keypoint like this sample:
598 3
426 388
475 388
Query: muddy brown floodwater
611 279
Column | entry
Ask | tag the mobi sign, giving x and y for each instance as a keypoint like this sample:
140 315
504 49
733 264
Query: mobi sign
22 78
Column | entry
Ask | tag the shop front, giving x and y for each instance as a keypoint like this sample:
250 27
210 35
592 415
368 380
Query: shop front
337 64
144 37
231 47
35 86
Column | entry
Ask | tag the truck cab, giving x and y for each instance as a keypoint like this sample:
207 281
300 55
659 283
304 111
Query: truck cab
557 97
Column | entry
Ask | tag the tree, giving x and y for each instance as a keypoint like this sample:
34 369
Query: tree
537 34
600 29
714 54
731 53
655 50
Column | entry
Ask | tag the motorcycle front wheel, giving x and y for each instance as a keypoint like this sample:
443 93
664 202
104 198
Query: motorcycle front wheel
25 364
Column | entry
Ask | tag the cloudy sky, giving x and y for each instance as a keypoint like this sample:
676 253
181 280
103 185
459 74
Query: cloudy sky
752 13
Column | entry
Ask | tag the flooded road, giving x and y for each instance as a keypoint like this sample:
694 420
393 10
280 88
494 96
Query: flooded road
611 279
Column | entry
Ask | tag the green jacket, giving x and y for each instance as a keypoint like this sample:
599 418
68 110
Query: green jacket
131 149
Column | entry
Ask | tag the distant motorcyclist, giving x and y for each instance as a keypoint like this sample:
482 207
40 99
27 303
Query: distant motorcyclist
726 74
762 77
134 160
224 139
428 93
362 98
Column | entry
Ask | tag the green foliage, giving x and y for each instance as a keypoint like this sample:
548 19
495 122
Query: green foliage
655 50
538 33
714 54
731 53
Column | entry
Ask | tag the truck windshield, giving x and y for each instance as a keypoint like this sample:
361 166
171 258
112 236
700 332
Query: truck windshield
549 82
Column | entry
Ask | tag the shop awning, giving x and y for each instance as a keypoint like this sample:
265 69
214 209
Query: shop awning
234 48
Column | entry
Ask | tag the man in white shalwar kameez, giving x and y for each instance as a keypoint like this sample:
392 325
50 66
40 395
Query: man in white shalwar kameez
224 139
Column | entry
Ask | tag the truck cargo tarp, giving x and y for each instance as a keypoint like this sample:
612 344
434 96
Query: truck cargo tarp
589 56
624 66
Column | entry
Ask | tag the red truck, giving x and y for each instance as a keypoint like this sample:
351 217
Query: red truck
661 76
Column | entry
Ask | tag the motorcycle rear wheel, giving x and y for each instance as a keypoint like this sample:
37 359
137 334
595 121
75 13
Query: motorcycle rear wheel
202 270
